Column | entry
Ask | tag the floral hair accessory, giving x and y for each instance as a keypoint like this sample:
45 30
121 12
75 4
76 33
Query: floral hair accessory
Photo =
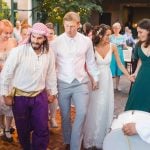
99 31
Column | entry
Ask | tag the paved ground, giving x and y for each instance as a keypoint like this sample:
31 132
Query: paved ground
56 137
121 96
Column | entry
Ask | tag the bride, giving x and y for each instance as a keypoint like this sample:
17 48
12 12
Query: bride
101 105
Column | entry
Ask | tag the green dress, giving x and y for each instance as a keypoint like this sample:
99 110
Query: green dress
139 97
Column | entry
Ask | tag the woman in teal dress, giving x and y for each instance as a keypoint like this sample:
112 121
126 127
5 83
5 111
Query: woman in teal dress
119 41
139 97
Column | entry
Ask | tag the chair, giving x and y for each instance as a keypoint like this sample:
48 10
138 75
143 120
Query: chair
127 54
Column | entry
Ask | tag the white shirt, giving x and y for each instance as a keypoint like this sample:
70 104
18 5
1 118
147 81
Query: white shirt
27 71
143 129
71 55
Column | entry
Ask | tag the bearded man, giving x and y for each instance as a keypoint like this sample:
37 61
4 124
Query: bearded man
31 70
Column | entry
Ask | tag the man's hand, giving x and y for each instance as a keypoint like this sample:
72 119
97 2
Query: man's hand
129 129
51 98
8 100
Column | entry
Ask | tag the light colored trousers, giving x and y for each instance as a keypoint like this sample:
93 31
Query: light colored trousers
79 93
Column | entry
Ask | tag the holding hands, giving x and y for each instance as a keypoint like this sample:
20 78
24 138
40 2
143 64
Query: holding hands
95 85
131 77
8 100
51 98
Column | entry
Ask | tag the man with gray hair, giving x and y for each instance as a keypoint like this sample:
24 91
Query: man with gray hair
31 67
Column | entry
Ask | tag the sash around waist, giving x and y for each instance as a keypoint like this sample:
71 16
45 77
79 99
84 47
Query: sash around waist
18 92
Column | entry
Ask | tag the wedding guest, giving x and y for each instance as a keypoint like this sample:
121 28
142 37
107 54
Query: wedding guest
34 84
139 96
119 40
6 44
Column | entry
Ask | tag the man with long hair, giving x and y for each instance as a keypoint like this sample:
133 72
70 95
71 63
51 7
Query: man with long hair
31 67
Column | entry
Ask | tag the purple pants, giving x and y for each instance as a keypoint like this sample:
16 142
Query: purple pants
31 114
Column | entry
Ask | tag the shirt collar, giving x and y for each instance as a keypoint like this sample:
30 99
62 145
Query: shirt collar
70 38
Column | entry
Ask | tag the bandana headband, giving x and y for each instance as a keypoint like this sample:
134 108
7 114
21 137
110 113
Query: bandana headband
39 28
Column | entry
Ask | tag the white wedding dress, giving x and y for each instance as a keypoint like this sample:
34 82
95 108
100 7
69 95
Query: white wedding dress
101 105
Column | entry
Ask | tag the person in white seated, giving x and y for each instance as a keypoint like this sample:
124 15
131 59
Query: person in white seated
141 128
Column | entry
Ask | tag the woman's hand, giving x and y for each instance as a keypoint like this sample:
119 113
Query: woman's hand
134 75
131 78
95 85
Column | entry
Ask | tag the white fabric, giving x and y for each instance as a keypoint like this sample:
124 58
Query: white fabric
101 106
130 116
29 71
71 57
117 140
143 129
16 34
3 56
4 109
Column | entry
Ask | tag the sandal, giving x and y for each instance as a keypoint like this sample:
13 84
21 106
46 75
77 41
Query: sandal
12 130
5 138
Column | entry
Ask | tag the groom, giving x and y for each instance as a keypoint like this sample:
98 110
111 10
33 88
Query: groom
73 50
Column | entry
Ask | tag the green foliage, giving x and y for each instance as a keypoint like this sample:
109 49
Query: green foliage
56 9
4 10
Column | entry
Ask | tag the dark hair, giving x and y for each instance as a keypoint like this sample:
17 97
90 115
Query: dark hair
88 27
45 44
145 24
50 25
99 32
